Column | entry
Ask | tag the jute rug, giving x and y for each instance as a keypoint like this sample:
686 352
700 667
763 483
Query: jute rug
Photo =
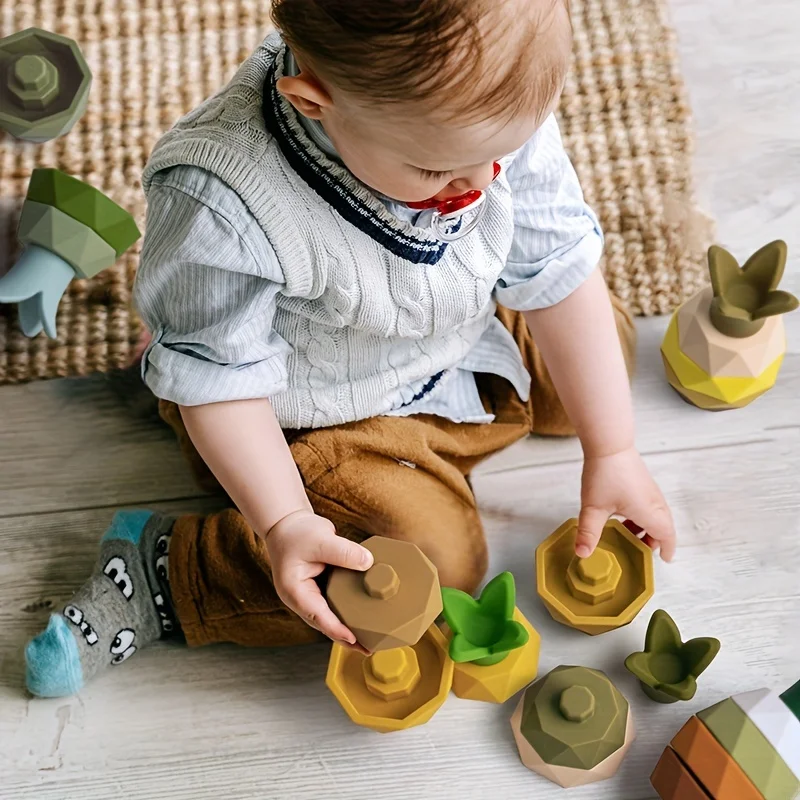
625 121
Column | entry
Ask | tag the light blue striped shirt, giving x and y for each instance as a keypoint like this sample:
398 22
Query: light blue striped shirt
208 280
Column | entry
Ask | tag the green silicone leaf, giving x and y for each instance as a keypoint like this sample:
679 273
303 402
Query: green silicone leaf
765 267
685 690
728 309
514 636
638 664
722 267
663 635
462 650
458 608
498 597
777 302
699 653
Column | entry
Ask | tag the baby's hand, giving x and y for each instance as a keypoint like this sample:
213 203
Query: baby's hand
300 546
621 484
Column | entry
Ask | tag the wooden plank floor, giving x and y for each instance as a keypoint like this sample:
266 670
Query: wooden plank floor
255 724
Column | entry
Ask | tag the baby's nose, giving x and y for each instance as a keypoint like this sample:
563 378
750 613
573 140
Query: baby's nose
477 178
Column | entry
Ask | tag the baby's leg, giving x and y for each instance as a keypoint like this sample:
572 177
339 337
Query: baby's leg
125 605
386 476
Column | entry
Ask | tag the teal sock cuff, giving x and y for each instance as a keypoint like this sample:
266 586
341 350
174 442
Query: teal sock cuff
128 525
53 666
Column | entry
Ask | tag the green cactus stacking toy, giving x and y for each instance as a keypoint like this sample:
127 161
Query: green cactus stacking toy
495 649
484 630
44 85
668 668
69 229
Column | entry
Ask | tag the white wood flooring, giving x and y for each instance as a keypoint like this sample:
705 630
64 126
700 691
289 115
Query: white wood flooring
255 724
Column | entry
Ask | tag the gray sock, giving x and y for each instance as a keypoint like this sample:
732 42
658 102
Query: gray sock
124 606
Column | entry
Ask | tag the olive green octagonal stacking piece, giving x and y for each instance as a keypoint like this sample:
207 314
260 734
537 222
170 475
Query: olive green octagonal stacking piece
44 85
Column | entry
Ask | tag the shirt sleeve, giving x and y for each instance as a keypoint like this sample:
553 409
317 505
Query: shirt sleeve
557 238
206 288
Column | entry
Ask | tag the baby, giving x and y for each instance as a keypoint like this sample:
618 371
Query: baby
368 266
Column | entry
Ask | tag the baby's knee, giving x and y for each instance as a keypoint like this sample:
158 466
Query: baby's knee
461 568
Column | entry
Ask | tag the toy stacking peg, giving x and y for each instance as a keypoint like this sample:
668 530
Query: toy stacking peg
44 85
602 592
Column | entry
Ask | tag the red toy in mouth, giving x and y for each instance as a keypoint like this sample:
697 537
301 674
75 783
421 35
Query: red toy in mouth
453 205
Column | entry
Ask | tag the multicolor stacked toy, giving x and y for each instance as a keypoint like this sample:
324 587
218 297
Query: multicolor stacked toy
495 649
745 748
44 85
69 229
599 593
573 727
724 346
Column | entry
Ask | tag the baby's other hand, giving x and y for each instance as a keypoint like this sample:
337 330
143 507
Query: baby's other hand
300 546
621 484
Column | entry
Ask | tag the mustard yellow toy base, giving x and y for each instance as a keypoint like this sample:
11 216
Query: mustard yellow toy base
392 690
498 682
716 393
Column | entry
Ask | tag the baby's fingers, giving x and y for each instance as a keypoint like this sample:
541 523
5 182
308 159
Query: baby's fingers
659 527
309 603
591 522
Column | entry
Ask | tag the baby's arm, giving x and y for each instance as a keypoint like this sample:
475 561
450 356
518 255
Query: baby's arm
243 445
579 342
206 288
552 276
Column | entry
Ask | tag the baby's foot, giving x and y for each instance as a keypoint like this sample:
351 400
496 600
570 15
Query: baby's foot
124 606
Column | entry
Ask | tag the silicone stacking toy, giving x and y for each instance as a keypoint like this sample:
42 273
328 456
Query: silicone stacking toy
44 85
391 609
745 748
599 593
573 727
69 229
392 690
394 602
668 668
724 346
495 649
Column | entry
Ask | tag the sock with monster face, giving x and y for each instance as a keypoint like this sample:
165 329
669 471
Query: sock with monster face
124 606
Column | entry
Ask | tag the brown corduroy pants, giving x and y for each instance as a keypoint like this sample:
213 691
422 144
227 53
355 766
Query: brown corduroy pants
403 477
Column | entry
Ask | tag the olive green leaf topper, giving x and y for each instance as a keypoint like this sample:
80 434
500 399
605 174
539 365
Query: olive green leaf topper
668 668
745 296
484 630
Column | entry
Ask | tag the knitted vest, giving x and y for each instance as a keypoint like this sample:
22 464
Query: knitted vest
371 304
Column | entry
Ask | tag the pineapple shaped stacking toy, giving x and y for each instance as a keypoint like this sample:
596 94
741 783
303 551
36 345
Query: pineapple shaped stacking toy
746 747
725 345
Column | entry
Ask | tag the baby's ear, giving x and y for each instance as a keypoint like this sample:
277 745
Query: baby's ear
306 94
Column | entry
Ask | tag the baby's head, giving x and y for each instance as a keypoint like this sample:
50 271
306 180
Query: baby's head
420 97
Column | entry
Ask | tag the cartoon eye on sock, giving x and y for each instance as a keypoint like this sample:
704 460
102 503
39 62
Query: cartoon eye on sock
162 553
122 648
117 570
167 624
75 616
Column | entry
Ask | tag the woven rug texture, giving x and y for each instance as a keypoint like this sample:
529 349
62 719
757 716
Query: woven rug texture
625 120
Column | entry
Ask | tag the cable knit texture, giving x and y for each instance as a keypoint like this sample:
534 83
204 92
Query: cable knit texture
371 303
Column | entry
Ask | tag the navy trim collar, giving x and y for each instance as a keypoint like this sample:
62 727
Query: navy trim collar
336 185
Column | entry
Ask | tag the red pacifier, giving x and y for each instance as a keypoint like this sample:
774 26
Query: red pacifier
439 214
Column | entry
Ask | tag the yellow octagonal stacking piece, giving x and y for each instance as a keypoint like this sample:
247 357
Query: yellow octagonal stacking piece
392 690
599 593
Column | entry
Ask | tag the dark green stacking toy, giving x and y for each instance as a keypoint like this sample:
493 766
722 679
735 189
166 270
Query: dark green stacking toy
69 229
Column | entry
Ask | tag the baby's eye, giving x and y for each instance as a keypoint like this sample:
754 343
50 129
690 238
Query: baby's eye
432 175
